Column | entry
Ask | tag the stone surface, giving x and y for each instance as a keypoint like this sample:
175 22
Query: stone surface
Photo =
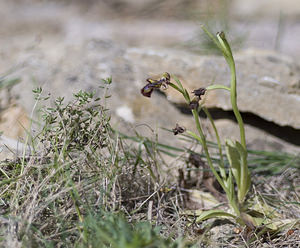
65 48
30 22
257 139
266 9
82 67
14 121
266 80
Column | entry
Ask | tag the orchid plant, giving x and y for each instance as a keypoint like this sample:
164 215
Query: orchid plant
236 180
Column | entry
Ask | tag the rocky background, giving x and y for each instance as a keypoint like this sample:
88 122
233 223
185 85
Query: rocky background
65 46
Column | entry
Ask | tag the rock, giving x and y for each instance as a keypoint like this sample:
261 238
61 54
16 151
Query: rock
14 122
265 80
257 139
74 49
263 9
82 67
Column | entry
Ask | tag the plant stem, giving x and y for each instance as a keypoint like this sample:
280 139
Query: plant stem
233 98
232 202
222 168
225 47
204 144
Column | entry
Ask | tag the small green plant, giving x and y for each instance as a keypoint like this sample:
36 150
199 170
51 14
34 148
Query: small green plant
236 180
78 126
106 229
82 186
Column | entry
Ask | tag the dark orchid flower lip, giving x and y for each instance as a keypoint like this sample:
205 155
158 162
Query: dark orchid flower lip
147 91
178 129
156 84
199 92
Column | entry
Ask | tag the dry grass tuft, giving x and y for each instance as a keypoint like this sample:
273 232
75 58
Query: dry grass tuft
84 186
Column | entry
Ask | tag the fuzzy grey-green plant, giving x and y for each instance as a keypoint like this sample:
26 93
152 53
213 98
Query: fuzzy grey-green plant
78 181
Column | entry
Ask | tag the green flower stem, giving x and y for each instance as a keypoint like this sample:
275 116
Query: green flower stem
232 202
222 168
224 46
233 98
204 144
233 95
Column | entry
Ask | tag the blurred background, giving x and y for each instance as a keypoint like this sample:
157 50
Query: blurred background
67 45
265 24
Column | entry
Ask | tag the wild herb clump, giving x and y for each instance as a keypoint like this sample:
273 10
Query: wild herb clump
78 127
81 186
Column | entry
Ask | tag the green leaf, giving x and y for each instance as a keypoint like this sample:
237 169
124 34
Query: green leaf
215 213
230 189
176 88
212 37
195 136
187 96
217 86
237 157
178 82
